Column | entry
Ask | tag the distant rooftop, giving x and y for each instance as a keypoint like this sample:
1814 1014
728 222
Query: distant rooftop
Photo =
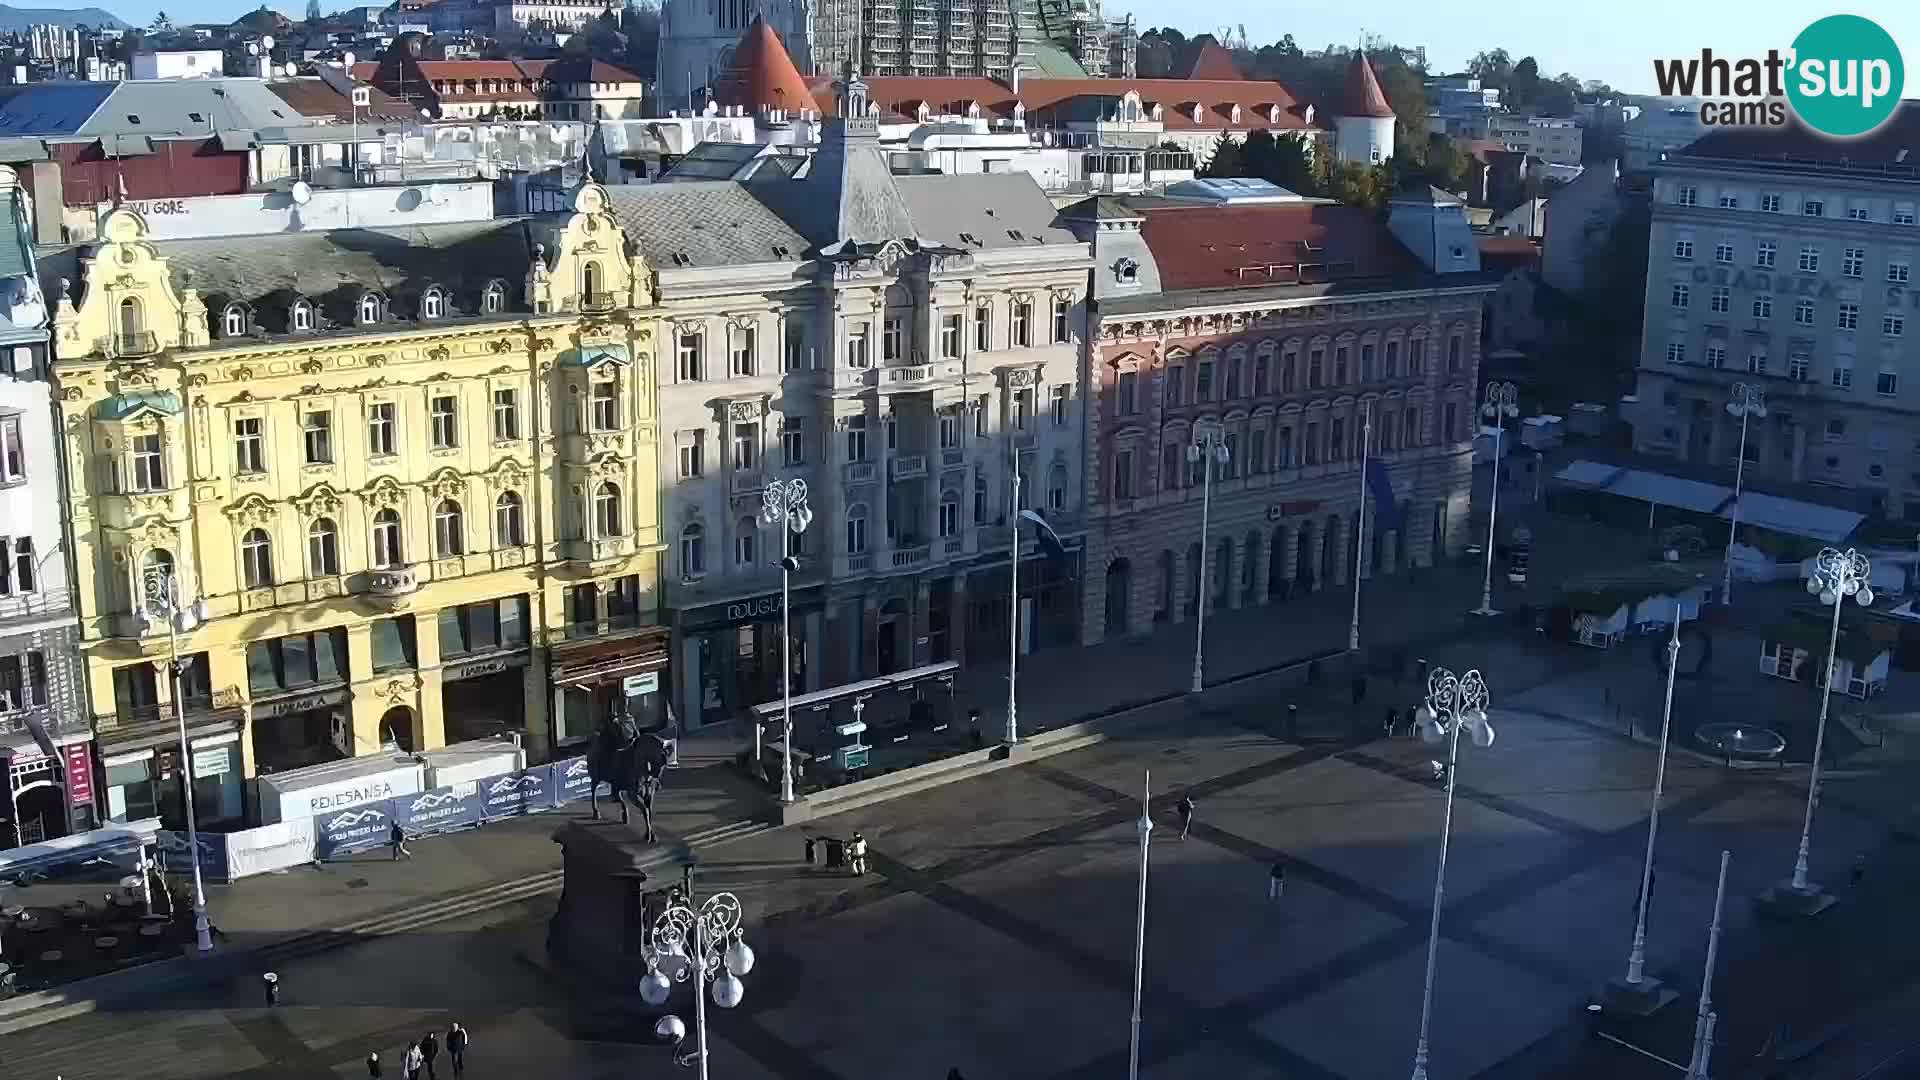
1232 191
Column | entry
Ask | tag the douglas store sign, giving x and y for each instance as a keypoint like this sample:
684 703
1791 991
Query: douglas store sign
753 609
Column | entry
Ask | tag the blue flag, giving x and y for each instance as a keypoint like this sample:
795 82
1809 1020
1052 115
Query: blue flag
1386 508
1049 541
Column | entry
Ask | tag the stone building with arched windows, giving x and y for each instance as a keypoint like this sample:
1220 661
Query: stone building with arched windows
1290 331
397 487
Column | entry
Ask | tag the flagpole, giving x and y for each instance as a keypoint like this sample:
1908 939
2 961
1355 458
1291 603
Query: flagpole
1013 619
1360 528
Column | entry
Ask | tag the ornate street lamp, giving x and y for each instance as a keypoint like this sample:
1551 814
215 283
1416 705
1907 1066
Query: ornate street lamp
705 946
1836 576
1454 703
1637 993
783 505
1503 401
1209 450
165 602
1747 403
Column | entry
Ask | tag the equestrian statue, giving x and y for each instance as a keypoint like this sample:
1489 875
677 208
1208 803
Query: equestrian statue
631 763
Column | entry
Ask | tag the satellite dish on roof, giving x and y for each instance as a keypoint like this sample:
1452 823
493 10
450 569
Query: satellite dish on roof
267 42
348 60
302 193
253 49
291 69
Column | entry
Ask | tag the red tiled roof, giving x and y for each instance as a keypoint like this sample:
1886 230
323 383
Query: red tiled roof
1218 97
315 99
762 75
1224 247
1363 96
1214 62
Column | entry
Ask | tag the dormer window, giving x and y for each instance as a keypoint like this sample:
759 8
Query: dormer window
1236 114
433 304
370 305
1127 271
493 300
233 321
300 317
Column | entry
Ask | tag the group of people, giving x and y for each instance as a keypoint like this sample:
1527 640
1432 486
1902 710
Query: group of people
420 1056
853 851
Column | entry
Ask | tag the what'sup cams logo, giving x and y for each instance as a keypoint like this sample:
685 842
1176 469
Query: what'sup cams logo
1842 77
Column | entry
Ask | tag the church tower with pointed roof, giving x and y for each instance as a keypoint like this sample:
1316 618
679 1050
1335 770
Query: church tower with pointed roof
762 78
1363 120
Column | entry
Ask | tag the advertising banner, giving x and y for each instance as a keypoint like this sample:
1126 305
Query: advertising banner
518 792
79 765
357 829
443 809
570 780
172 847
270 847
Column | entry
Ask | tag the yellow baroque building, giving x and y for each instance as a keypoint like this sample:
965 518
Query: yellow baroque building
373 489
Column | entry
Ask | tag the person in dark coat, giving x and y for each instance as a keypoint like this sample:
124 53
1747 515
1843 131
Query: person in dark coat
1185 809
397 837
373 1067
457 1048
429 1050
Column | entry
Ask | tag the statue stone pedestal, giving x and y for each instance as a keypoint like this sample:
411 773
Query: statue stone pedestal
595 938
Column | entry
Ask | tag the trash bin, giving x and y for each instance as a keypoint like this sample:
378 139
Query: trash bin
836 853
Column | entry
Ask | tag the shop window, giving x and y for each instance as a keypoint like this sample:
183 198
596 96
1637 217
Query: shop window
483 627
297 661
393 643
23 681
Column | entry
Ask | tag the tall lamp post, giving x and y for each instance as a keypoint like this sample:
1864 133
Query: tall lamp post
1747 402
1013 606
1453 703
1208 451
1503 401
1637 993
1836 576
705 945
1145 828
166 603
783 505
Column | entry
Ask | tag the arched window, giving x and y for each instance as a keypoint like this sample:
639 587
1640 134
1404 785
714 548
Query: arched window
606 509
949 514
301 316
369 308
256 559
509 529
387 549
744 541
449 530
1057 488
233 321
494 300
857 529
432 304
156 566
323 548
589 280
693 550
132 321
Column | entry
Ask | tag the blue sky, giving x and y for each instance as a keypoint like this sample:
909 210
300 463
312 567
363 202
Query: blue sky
1612 41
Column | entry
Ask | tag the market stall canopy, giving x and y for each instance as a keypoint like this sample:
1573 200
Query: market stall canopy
1796 518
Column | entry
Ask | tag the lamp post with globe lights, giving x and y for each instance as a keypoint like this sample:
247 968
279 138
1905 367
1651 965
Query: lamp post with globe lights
1637 993
166 603
704 945
1747 402
783 505
1503 401
1836 576
1208 451
1454 703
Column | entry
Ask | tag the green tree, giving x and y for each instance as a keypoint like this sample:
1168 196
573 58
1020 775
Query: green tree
1283 161
1492 67
1353 184
1227 159
1523 85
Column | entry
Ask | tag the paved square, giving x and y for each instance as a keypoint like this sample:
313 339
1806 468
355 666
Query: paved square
1367 1025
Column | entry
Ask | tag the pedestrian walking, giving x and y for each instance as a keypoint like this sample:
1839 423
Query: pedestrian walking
1393 721
457 1048
857 853
810 841
429 1051
1277 880
373 1067
272 984
412 1062
973 729
1293 722
397 837
1185 808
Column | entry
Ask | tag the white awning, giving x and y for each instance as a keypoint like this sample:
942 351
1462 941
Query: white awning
1588 474
1669 491
1796 518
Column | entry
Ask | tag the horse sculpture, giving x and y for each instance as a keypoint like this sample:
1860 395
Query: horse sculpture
630 762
